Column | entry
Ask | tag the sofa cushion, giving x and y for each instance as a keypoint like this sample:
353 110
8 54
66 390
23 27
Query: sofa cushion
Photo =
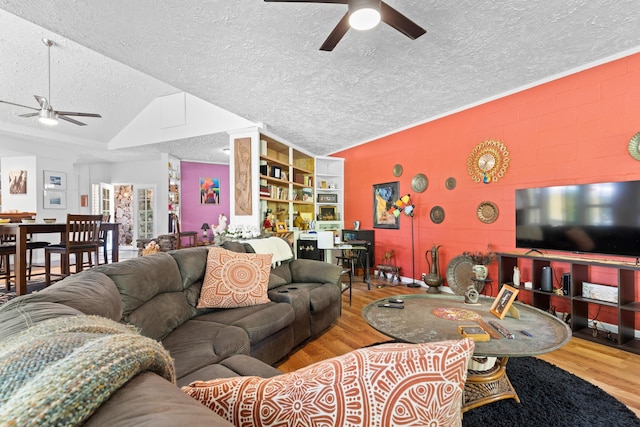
391 384
258 321
234 366
150 400
196 344
192 263
82 290
161 314
22 313
283 271
140 279
234 279
312 271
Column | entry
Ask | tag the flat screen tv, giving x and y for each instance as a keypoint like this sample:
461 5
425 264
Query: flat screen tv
601 218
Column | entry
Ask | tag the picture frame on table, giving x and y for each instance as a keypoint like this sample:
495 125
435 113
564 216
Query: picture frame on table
384 197
55 199
503 301
281 226
55 180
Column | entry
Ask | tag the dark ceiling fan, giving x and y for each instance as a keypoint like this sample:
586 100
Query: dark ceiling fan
372 11
46 114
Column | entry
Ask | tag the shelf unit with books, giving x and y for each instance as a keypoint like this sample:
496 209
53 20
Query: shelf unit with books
619 278
286 181
330 194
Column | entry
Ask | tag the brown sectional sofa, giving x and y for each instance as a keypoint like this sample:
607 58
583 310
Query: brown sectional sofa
158 295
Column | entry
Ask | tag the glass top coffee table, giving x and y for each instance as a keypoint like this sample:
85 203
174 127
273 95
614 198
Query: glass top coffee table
429 317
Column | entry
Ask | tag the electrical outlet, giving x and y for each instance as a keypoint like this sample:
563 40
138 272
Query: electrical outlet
424 276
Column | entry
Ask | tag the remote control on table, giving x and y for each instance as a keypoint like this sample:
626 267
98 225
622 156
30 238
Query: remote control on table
396 300
388 305
504 331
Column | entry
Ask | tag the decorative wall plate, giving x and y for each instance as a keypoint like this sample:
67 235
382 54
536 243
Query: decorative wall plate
419 183
397 170
634 146
437 214
450 183
487 212
488 161
460 274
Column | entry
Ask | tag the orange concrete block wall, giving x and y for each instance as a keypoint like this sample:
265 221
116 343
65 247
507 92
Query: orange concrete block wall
572 130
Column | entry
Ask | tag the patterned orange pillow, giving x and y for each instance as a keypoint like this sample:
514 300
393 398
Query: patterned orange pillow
385 385
235 279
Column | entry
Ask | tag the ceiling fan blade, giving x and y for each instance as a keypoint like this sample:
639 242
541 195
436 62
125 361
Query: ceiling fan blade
44 104
336 35
395 19
71 113
20 105
75 122
29 115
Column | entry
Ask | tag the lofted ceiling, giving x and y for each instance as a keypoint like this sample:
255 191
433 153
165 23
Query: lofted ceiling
261 62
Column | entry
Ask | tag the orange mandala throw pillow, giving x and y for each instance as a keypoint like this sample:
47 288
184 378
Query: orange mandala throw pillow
385 385
235 279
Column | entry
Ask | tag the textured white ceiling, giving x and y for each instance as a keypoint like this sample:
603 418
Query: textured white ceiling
261 61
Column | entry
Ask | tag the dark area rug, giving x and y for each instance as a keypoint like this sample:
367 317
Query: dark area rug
551 396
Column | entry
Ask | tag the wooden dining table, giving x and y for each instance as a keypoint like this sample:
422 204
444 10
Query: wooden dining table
23 230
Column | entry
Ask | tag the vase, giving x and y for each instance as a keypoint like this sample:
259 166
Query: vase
481 271
516 277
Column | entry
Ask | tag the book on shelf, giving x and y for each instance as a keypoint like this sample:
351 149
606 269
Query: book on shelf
307 194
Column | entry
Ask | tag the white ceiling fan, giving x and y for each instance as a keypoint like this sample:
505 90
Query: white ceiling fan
46 114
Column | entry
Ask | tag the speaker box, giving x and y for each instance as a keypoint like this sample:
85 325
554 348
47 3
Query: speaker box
566 280
546 282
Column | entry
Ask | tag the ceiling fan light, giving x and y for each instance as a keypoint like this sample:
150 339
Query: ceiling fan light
364 14
48 117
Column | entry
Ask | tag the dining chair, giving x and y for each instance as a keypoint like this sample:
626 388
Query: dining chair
7 248
102 241
82 236
192 236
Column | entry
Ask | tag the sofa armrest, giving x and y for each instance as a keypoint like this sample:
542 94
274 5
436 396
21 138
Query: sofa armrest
312 271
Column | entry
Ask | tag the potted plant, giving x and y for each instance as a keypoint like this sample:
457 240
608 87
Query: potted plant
480 262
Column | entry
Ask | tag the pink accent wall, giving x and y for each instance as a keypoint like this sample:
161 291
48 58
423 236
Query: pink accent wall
194 213
572 130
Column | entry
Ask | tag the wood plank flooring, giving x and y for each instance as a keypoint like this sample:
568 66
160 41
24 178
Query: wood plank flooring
615 371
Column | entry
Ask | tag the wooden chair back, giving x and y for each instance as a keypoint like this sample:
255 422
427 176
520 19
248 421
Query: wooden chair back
82 230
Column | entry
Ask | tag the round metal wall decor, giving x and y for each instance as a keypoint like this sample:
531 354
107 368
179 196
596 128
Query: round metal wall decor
397 170
450 183
419 183
437 214
487 212
634 146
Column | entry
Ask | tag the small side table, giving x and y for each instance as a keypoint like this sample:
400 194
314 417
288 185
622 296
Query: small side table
383 269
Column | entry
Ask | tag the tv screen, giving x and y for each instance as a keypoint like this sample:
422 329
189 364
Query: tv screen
599 218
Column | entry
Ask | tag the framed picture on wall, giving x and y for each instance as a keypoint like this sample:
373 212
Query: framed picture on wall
384 196
209 191
55 180
55 199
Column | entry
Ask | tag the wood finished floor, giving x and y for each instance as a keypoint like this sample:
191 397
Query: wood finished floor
615 371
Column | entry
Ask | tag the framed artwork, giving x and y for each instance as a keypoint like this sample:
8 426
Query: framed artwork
328 213
55 199
55 180
281 226
242 171
17 182
209 191
503 301
327 198
384 196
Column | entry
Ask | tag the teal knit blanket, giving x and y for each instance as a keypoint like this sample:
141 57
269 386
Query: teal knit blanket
60 371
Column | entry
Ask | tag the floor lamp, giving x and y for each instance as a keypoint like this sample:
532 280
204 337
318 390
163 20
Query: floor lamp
404 204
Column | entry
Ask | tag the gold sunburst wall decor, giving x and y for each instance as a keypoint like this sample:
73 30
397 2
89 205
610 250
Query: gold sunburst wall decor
488 161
